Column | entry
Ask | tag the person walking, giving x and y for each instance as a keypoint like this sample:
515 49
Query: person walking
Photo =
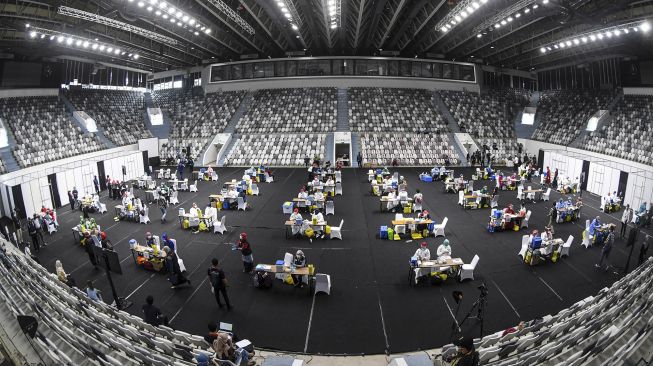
553 214
605 252
246 253
359 159
151 314
219 283
71 200
33 234
625 219
163 206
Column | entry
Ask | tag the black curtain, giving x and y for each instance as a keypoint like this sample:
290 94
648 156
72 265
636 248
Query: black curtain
586 170
146 162
623 181
101 176
52 179
19 204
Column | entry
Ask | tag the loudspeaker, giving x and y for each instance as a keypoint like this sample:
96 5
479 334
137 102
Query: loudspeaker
28 324
632 236
124 170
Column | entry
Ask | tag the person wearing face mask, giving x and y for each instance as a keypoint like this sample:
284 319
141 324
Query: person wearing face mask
246 253
299 261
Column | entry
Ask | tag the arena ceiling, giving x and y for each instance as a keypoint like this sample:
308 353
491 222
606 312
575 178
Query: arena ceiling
157 35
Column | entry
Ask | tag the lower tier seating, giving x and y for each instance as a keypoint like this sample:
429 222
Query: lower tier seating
408 149
276 150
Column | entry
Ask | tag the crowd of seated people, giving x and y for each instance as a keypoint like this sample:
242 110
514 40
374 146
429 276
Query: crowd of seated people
563 113
195 117
276 150
630 133
290 110
43 131
394 110
407 149
120 114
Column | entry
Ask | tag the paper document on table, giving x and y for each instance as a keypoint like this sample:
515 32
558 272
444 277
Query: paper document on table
263 267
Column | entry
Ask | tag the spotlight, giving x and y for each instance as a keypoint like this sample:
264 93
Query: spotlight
165 16
334 26
60 39
535 6
69 41
141 4
517 15
149 8
179 14
185 18
645 27
163 5
576 41
555 46
117 51
503 22
497 26
32 34
510 19
527 10
94 46
458 18
463 14
197 33
479 35
27 25
42 36
207 31
158 12
136 57
52 38
592 37
543 50
102 47
444 29
626 30
110 49
584 39
294 27
191 21
561 44
545 1
599 36
78 42
568 43
608 34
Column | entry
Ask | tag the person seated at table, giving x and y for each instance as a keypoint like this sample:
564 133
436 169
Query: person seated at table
418 197
435 173
560 204
495 191
547 235
533 235
444 250
595 225
232 193
317 218
500 181
329 181
483 190
450 185
393 204
460 183
315 182
168 242
642 209
509 210
299 260
195 211
296 218
385 171
302 194
422 254
318 196
243 194
149 240
522 210
225 350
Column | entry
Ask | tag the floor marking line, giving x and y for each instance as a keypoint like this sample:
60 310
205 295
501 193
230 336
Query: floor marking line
139 287
550 288
385 334
450 310
575 269
506 297
187 300
310 322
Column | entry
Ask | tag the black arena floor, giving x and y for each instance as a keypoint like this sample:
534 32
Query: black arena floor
371 309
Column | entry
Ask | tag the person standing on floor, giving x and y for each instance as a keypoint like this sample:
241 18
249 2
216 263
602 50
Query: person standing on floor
607 247
219 283
96 184
625 219
33 234
359 159
553 214
151 314
71 200
246 253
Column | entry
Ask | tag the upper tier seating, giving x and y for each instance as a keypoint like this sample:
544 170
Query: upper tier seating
276 150
393 110
119 113
563 113
489 114
409 149
595 331
291 110
44 131
195 117
630 133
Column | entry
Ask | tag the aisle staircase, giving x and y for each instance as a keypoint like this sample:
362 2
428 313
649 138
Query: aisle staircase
343 111
438 103
228 149
242 108
329 148
355 147
100 132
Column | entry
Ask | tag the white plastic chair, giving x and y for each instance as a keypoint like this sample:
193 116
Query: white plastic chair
524 222
145 218
219 226
495 202
174 200
461 198
565 247
587 240
336 232
520 193
400 229
254 188
438 230
214 176
103 208
323 283
52 228
546 195
193 187
467 270
524 246
330 208
338 189
531 195
241 204
338 176
268 178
